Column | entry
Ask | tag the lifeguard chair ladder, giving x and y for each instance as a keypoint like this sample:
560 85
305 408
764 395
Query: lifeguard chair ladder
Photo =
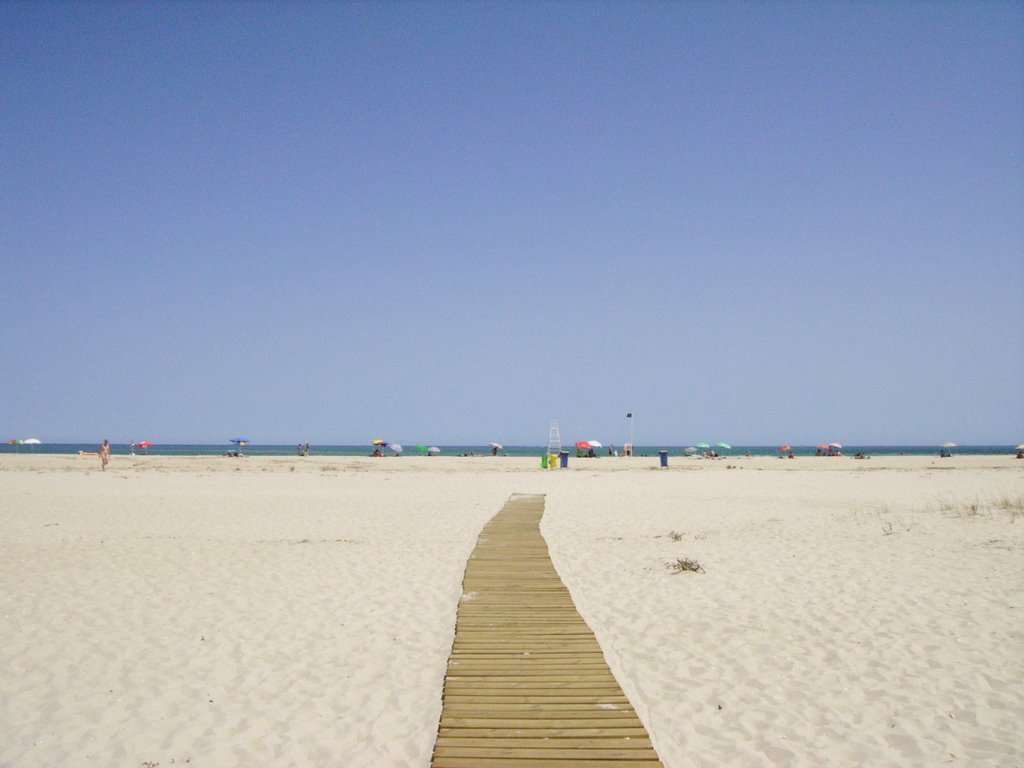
554 439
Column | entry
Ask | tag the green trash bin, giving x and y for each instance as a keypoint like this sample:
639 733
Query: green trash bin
544 461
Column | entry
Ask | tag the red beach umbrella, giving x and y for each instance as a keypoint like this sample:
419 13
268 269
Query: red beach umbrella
784 448
583 445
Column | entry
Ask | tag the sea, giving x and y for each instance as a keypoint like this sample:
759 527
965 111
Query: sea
258 449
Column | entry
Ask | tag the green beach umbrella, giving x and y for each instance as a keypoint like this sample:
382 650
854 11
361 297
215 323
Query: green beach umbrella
705 446
725 445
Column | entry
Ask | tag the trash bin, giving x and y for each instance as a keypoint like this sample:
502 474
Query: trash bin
664 458
553 461
563 459
544 461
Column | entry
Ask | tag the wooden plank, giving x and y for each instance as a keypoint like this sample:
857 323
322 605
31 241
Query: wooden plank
527 683
530 762
545 753
610 742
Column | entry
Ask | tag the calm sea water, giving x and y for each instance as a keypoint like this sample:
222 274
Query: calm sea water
509 450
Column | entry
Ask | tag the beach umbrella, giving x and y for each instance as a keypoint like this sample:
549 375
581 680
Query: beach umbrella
499 446
240 440
594 444
433 450
691 450
145 445
725 445
15 442
33 441
396 448
703 446
949 445
421 449
1020 447
583 445
379 443
784 449
835 445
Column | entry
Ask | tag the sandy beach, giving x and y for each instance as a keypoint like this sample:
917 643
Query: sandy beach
292 611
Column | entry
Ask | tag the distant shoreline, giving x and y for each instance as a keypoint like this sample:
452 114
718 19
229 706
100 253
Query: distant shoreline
255 449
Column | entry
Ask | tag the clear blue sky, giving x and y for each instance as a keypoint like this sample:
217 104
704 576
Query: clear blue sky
454 222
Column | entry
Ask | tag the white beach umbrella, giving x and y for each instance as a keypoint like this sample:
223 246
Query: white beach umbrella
949 445
595 444
33 441
433 450
396 448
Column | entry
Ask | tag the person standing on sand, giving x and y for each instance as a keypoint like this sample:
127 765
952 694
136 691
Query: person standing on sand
105 454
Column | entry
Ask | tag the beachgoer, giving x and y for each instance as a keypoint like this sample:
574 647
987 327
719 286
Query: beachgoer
104 454
494 450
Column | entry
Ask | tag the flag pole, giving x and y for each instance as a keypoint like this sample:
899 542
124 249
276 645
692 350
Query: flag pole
632 448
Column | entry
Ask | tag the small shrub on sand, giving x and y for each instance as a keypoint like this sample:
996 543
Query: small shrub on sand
684 564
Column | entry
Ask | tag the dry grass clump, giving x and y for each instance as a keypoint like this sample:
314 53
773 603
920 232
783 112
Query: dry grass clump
1011 505
685 564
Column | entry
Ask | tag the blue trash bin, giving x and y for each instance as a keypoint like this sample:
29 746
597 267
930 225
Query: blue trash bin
664 458
563 459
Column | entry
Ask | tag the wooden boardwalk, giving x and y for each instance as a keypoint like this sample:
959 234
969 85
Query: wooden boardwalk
527 685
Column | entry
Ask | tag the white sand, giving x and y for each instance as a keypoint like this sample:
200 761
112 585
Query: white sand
299 611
